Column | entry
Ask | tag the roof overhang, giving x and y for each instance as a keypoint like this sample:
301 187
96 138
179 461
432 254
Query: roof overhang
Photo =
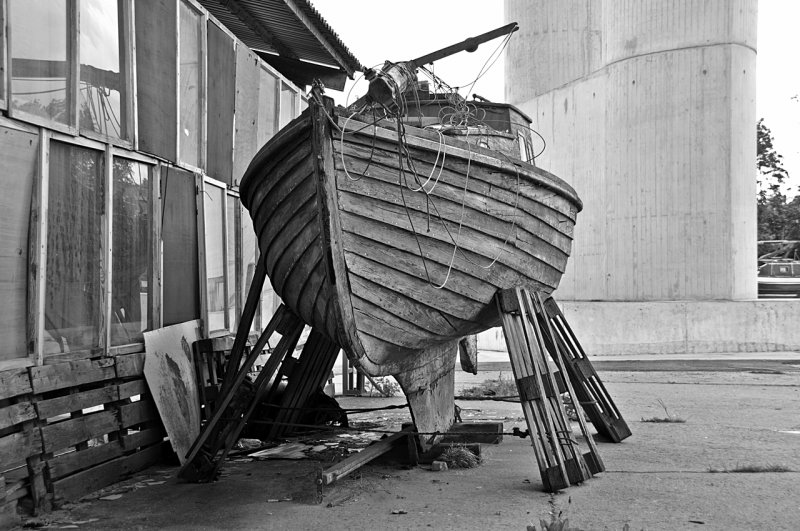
292 36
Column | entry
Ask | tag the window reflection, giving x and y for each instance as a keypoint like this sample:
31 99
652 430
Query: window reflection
39 58
190 90
232 203
131 252
75 264
213 206
101 87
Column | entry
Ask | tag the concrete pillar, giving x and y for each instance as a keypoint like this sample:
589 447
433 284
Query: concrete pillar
648 110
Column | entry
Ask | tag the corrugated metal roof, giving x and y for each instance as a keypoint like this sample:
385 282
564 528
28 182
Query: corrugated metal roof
290 28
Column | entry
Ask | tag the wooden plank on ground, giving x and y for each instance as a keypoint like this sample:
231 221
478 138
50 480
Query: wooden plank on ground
66 464
17 447
46 378
14 382
80 429
356 461
16 414
76 402
170 376
82 483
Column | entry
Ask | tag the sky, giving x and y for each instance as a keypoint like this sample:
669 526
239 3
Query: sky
402 31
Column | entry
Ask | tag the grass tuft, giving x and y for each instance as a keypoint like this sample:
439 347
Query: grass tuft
459 457
670 418
495 387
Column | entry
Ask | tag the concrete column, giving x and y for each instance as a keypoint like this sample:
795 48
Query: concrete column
648 110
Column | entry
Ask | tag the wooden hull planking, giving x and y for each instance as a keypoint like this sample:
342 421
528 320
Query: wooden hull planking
391 258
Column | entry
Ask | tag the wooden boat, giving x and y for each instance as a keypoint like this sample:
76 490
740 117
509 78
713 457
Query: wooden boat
395 245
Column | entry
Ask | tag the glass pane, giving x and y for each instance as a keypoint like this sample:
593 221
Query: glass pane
131 252
39 58
232 203
101 87
268 85
288 104
214 203
249 256
75 261
190 89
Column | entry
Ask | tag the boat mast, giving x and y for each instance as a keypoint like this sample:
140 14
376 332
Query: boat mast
394 78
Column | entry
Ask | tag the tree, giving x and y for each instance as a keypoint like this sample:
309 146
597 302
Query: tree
778 219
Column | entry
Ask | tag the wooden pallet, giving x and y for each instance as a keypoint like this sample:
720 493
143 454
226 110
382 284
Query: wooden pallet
558 454
589 389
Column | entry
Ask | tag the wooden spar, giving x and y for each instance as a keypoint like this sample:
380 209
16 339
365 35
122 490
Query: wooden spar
394 78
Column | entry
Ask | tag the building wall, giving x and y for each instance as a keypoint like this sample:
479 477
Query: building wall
647 109
125 129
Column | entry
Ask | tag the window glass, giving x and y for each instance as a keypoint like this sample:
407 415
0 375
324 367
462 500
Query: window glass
2 53
131 252
231 202
288 104
214 204
39 70
102 86
268 86
190 89
75 261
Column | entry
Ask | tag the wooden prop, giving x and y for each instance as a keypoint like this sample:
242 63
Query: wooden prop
589 389
170 375
592 457
308 374
202 461
557 453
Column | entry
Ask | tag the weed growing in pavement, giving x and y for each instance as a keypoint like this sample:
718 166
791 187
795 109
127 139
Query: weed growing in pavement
505 387
458 456
670 418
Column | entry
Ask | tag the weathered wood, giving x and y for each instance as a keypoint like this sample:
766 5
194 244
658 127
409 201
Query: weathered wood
246 110
143 438
77 430
46 378
130 365
221 93
69 463
431 401
134 388
19 152
14 414
589 389
171 377
156 64
36 485
76 402
468 353
14 382
370 453
16 447
137 412
82 483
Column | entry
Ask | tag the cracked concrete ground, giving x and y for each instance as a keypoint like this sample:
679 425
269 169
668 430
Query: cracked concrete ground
659 478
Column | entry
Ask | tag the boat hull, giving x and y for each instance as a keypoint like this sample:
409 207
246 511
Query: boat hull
395 250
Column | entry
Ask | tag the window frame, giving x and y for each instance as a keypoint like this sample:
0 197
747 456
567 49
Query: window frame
4 56
202 89
39 234
127 68
204 181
